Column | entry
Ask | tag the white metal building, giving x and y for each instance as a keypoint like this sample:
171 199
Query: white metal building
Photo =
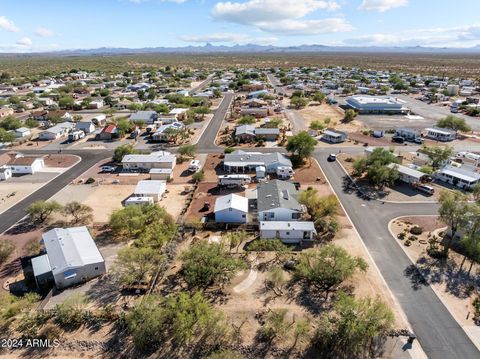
231 208
152 189
72 255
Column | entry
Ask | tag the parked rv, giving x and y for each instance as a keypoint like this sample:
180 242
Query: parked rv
194 166
233 180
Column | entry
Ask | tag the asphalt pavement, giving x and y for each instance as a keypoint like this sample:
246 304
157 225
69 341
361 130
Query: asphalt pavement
439 334
207 141
17 212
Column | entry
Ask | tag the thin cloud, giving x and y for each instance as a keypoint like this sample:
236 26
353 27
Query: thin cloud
381 5
25 41
43 32
8 25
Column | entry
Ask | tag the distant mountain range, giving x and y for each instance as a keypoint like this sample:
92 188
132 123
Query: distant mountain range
252 48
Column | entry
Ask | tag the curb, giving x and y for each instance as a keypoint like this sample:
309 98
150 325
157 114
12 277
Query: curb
475 341
419 353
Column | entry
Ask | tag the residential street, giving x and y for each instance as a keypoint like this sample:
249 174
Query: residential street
17 212
207 141
439 334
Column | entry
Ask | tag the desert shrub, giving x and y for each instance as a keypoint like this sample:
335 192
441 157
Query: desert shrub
267 245
6 248
90 180
417 230
401 236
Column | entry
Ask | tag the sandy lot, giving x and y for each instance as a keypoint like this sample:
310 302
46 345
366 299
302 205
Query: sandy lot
21 191
325 111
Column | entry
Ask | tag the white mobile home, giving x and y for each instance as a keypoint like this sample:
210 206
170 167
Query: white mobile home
334 136
72 256
21 164
440 134
459 177
288 232
160 159
409 175
152 189
231 209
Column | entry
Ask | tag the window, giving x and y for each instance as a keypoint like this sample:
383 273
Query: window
244 216
287 233
96 268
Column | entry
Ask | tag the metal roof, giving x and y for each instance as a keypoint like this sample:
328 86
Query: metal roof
231 201
242 158
153 157
277 194
150 187
285 226
69 248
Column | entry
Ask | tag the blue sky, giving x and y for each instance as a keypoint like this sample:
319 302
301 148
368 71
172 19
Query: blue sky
39 25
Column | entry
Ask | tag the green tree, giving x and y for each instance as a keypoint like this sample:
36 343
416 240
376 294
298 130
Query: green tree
124 126
327 267
10 123
121 151
6 136
135 265
437 154
66 103
376 168
6 249
133 221
454 123
301 146
41 211
246 120
317 125
319 97
187 150
476 192
236 238
298 102
276 326
81 213
179 318
349 330
207 264
349 115
452 212
198 176
31 123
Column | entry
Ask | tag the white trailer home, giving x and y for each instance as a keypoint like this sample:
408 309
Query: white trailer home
288 232
409 175
72 257
440 134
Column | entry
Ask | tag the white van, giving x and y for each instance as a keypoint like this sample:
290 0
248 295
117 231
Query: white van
425 189
194 166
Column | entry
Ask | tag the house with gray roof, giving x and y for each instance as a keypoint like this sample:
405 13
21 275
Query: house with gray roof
149 117
241 161
277 201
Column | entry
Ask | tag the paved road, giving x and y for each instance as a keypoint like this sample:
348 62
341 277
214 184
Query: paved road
17 212
207 141
202 84
439 334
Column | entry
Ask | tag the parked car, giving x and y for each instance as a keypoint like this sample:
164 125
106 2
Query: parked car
108 168
398 139
332 157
